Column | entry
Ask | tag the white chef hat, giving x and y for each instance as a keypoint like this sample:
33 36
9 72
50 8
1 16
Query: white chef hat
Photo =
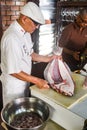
33 11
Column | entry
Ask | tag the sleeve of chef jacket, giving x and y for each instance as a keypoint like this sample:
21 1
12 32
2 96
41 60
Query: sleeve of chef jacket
13 55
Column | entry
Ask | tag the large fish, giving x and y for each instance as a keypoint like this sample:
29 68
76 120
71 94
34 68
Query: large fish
58 75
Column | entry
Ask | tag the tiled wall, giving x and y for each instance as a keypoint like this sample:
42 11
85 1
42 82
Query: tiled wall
10 11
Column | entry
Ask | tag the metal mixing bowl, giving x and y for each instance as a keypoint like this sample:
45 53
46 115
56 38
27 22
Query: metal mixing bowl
21 105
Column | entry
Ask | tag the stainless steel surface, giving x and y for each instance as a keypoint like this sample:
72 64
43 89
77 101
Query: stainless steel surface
21 105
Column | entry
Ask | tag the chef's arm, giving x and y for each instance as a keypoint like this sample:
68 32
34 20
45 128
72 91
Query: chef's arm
41 58
41 83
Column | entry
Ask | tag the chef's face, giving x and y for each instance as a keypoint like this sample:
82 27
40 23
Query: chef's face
30 25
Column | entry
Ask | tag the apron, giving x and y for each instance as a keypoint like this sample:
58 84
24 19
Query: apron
13 88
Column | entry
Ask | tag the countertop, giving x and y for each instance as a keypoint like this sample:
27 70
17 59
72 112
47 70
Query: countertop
65 101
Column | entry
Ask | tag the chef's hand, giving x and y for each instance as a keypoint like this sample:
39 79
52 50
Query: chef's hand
42 84
76 55
59 57
56 57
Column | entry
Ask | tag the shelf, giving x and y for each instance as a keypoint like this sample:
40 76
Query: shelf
71 4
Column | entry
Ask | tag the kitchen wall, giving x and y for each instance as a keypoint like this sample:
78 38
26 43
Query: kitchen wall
10 11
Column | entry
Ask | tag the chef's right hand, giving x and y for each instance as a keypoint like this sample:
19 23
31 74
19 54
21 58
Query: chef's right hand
42 84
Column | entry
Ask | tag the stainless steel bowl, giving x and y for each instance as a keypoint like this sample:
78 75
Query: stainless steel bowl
21 105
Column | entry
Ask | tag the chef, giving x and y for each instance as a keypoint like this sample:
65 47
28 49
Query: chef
17 54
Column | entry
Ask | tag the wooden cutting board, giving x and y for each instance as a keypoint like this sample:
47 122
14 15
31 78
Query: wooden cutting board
79 94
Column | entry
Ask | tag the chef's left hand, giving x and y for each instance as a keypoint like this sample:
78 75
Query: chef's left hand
56 57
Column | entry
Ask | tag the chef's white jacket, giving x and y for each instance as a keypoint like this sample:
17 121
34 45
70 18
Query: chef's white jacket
16 48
